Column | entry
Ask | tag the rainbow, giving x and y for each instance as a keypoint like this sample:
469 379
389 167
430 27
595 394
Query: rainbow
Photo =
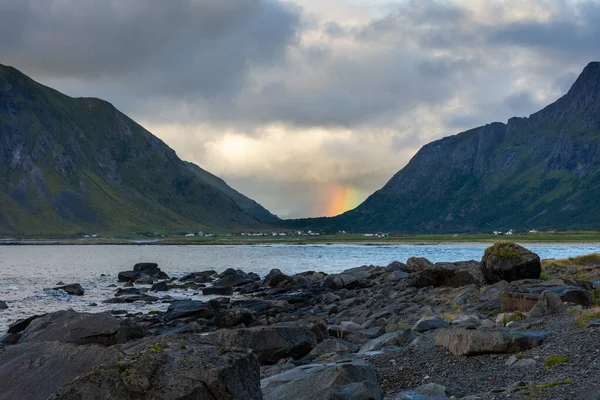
335 199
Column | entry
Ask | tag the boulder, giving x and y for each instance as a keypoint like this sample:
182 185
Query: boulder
233 317
276 278
548 304
270 343
73 327
428 323
396 338
463 342
188 369
428 391
74 288
35 370
160 287
131 299
524 296
417 264
345 381
509 262
187 309
336 346
130 291
218 290
232 277
442 275
143 273
352 278
3 305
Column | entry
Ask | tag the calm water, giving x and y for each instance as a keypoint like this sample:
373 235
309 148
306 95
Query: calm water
25 271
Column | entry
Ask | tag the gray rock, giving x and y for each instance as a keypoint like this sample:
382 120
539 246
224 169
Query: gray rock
417 264
218 290
396 338
428 323
233 317
346 381
35 370
73 327
276 278
188 370
442 275
548 304
337 346
270 343
509 262
465 342
160 287
514 362
3 305
188 308
524 296
428 391
74 288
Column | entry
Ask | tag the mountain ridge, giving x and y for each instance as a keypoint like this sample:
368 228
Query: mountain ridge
76 164
539 172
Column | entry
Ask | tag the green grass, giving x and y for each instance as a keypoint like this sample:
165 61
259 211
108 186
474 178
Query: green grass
502 249
587 316
587 260
542 386
555 360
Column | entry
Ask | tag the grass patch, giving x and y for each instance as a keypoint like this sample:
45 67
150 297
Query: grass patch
542 386
502 249
555 360
587 316
587 260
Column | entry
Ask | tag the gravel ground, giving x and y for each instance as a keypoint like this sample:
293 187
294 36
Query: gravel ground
487 375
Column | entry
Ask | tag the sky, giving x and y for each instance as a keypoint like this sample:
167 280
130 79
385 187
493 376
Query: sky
306 106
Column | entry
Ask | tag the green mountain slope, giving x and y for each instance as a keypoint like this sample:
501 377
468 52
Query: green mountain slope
538 172
248 205
69 165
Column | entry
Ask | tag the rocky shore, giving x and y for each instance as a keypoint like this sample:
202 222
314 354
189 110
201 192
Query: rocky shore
503 327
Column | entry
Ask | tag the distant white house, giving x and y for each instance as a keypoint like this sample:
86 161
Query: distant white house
190 234
533 231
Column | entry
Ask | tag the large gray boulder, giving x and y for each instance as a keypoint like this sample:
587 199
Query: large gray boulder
187 309
270 343
174 367
74 327
346 381
3 305
33 371
523 296
74 288
463 342
395 338
443 275
143 273
509 262
417 264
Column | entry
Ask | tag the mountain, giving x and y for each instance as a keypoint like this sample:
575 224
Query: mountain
78 164
248 205
539 172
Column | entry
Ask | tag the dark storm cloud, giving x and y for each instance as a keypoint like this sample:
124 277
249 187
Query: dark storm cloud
183 48
573 32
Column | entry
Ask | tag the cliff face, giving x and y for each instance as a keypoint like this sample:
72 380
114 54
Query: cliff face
537 172
69 164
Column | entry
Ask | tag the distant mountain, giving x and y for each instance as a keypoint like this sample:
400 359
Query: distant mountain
78 164
538 172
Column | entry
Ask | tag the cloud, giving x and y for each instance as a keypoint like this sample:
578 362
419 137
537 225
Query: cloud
284 100
178 48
